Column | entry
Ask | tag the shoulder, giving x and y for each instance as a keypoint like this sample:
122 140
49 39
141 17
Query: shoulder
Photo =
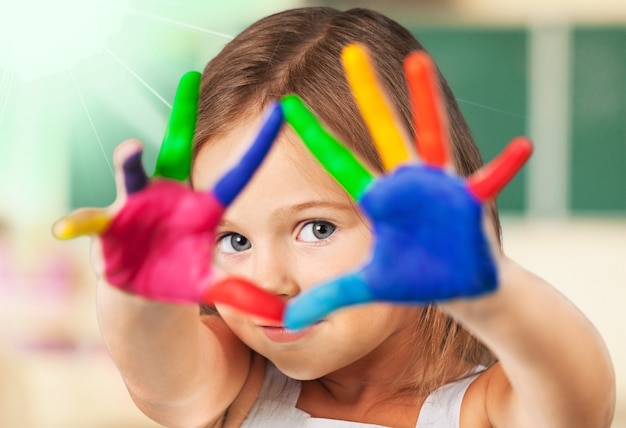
490 401
243 404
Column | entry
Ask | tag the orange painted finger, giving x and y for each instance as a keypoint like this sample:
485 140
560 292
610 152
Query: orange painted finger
429 117
488 181
378 114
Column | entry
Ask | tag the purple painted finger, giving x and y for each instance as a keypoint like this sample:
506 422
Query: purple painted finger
135 178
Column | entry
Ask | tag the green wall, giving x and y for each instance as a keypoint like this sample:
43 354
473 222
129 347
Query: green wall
487 70
598 174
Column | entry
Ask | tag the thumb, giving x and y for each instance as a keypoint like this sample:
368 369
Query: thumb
130 176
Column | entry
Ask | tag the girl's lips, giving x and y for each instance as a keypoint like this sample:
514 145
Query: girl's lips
280 334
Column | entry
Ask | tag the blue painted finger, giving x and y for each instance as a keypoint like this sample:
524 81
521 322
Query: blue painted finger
317 303
229 186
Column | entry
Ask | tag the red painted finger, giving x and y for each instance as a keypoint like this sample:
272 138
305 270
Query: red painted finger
429 117
245 296
488 181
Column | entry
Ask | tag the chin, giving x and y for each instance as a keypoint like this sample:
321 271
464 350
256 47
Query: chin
302 370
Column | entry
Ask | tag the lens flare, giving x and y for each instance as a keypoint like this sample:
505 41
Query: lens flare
42 37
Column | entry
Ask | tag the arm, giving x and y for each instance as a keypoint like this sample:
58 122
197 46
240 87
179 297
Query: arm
155 268
556 369
432 246
179 368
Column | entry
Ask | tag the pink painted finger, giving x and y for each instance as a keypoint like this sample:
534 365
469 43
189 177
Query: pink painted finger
429 117
245 296
488 181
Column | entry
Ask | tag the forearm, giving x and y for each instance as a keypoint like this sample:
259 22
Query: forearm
555 359
174 365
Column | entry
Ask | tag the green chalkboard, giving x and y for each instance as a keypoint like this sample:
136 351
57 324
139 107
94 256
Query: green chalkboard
598 164
486 69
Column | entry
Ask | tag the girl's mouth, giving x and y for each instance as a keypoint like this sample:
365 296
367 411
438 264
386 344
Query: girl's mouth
280 334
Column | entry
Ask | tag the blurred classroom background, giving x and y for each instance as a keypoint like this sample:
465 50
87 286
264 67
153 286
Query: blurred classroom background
78 77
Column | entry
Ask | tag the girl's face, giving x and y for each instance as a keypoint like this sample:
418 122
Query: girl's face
291 228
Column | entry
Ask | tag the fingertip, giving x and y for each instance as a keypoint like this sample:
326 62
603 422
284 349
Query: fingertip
355 55
315 304
486 183
59 230
524 146
135 178
187 91
292 106
130 175
82 222
191 79
418 62
126 149
299 315
275 113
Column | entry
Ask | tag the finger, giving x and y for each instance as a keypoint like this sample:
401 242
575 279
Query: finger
316 304
488 181
229 186
429 117
130 176
245 296
378 113
334 156
85 221
174 160
135 178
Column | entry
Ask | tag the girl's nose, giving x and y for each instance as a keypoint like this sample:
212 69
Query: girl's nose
272 272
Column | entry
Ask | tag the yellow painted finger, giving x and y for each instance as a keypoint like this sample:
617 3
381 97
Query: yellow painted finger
378 114
84 221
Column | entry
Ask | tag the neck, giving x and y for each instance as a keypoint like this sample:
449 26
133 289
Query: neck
364 392
372 377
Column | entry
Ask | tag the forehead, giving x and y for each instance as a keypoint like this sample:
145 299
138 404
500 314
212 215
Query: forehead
288 164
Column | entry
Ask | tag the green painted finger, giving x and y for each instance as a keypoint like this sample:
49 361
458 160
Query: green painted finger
334 156
174 159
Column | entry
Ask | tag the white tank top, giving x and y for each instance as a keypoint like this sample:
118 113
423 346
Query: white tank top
276 406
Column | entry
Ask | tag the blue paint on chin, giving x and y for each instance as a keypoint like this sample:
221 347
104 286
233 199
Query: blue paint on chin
430 244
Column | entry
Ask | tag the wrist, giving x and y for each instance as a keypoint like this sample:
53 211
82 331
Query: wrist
486 307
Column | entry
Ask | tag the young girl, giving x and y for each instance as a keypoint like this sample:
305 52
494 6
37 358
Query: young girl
532 360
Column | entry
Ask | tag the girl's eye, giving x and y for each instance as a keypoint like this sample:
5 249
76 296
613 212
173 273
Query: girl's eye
233 243
316 231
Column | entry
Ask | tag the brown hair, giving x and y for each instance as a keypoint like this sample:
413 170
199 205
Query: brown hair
298 51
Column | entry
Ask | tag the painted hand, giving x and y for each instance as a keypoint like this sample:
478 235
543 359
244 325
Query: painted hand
430 244
158 237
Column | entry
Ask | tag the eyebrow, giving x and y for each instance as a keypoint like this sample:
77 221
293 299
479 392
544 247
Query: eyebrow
283 211
343 206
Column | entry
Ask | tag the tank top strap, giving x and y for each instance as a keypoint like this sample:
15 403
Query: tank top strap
442 407
276 404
